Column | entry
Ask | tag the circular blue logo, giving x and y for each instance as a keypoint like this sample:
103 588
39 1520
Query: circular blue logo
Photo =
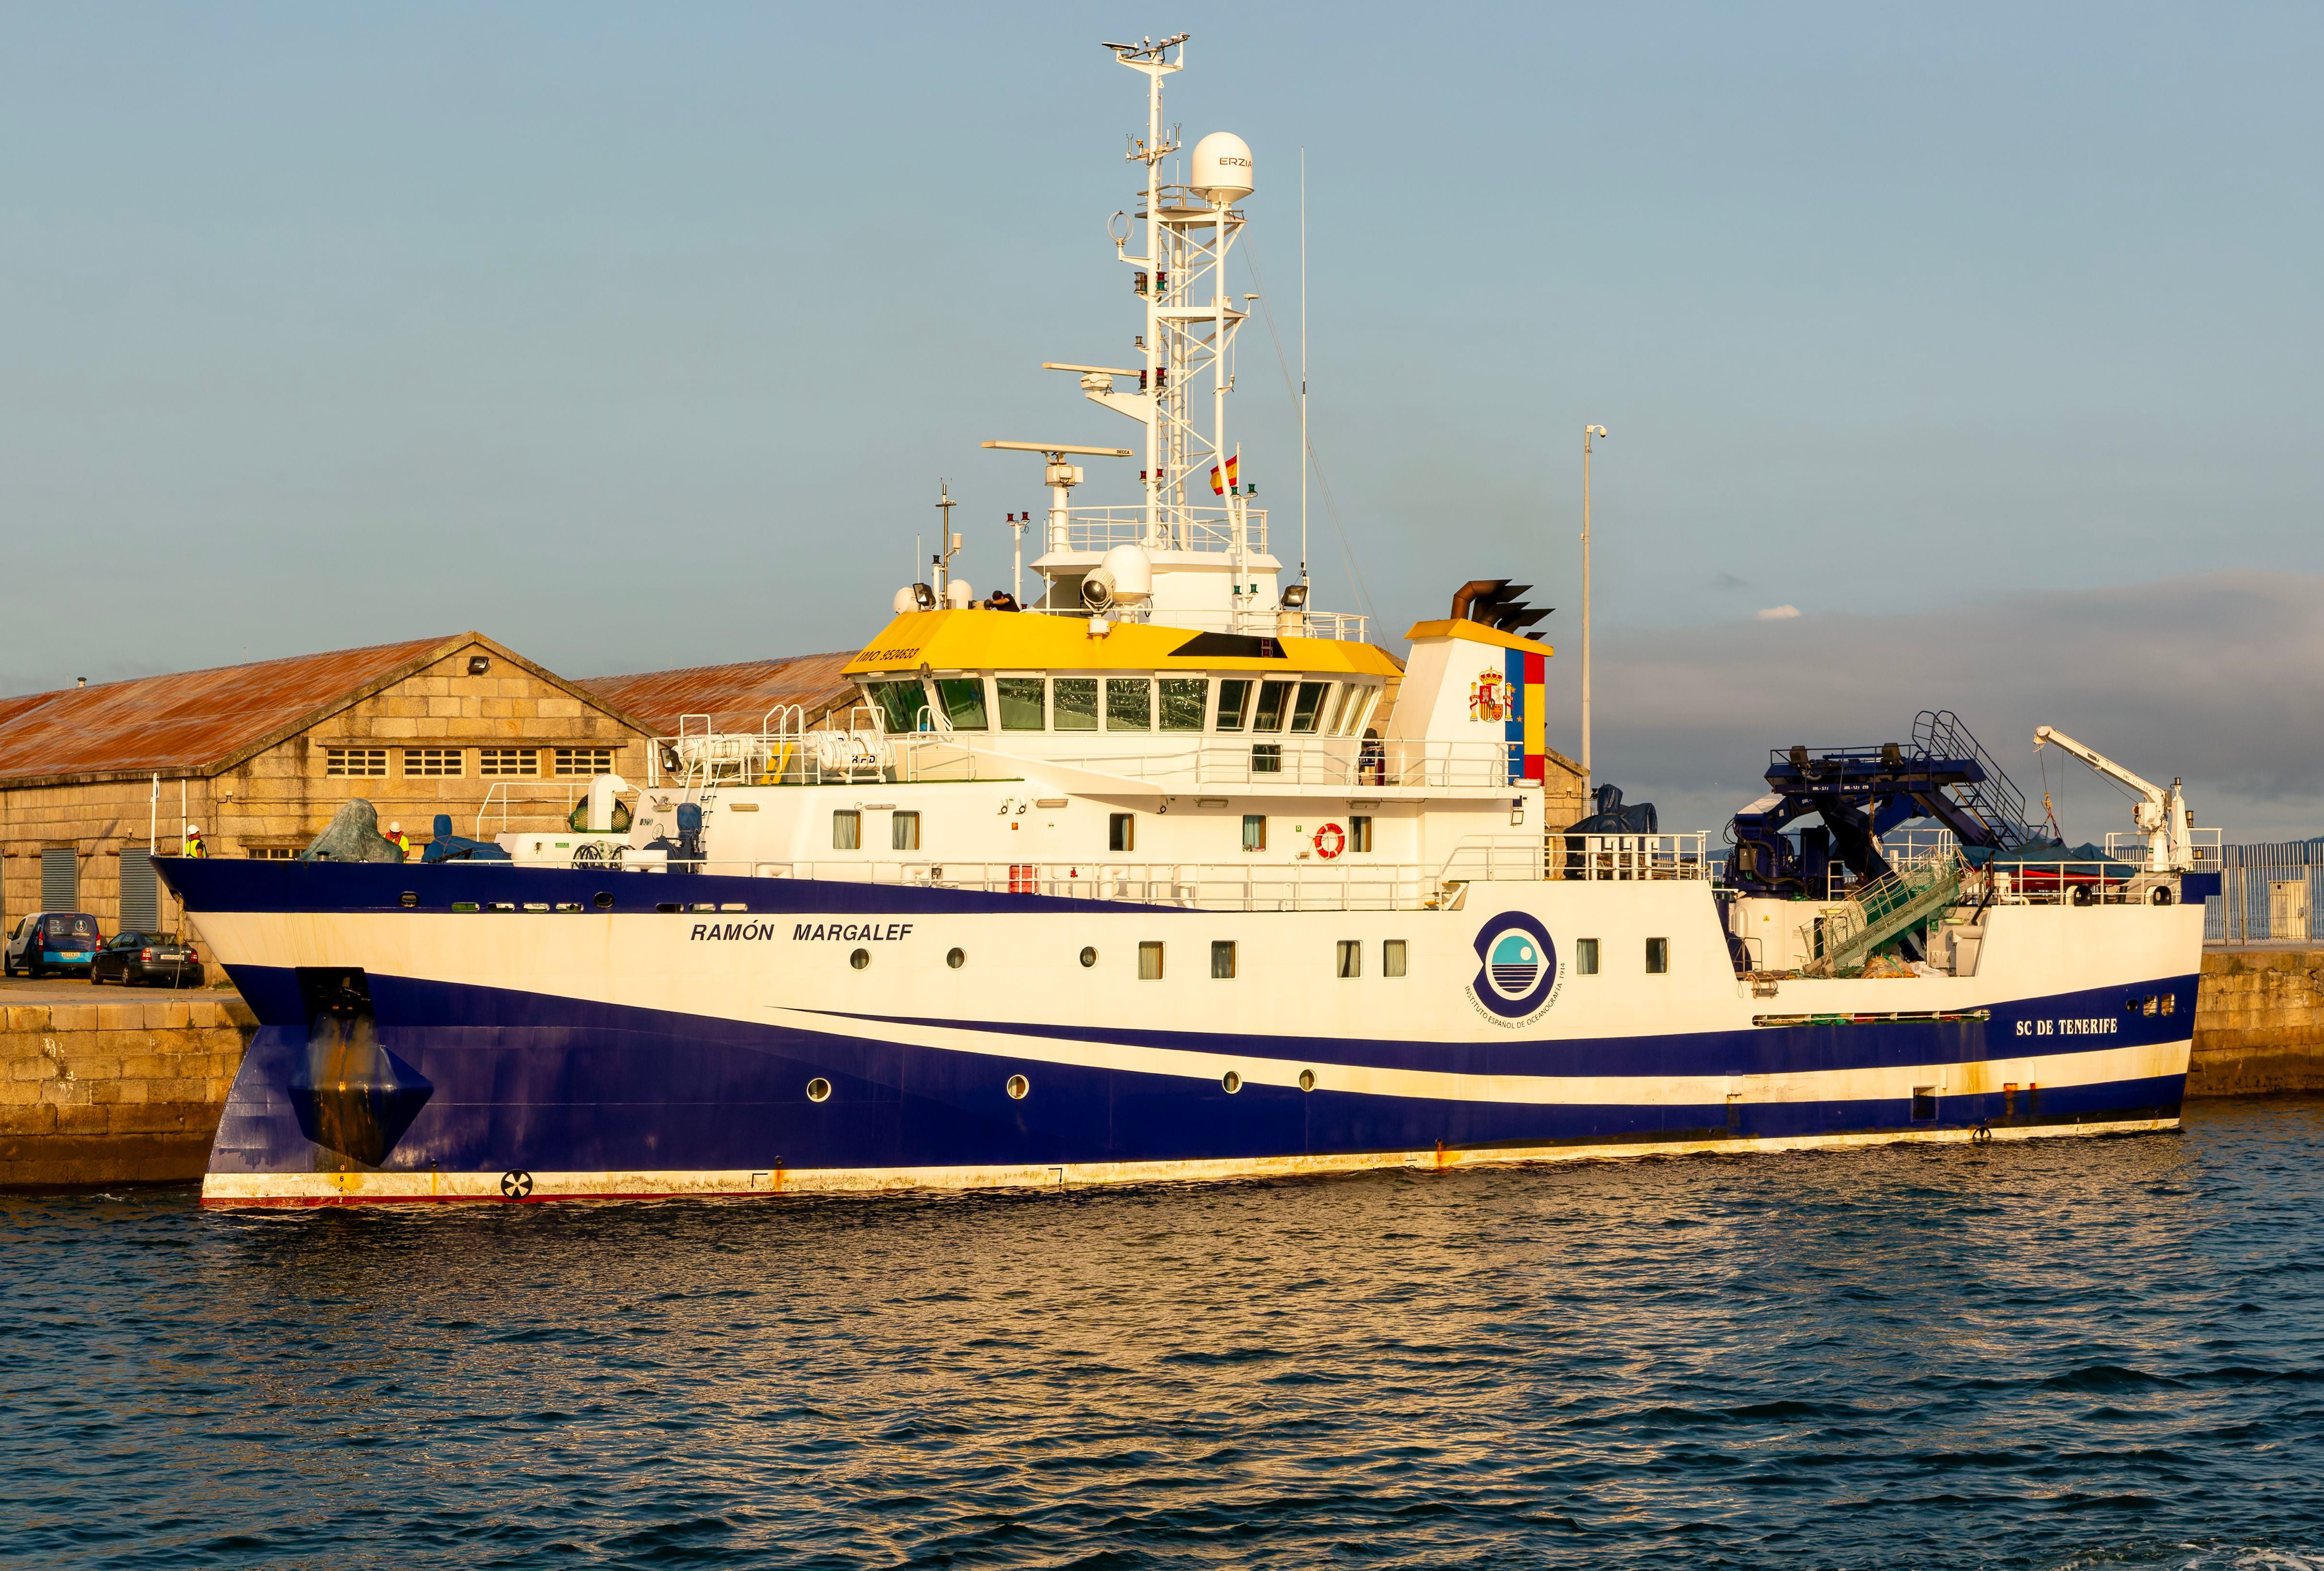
1517 965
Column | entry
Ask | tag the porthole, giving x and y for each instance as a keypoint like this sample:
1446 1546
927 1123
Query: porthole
409 900
1089 958
1018 1086
1232 1082
955 959
859 959
818 1089
1307 1079
605 900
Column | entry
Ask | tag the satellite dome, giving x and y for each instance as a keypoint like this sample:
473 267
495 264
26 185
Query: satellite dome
1222 170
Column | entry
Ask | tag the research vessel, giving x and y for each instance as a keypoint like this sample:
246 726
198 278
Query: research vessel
1148 869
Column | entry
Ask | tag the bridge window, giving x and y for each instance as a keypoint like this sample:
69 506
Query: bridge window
899 704
1149 962
1359 708
1352 957
1021 707
1585 956
1359 833
1254 831
1339 709
1222 959
964 702
1234 703
846 829
1307 709
1272 696
904 832
1129 704
1392 957
1657 956
1121 832
1075 701
1184 699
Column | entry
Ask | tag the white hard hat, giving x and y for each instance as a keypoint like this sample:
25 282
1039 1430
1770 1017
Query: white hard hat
395 829
193 828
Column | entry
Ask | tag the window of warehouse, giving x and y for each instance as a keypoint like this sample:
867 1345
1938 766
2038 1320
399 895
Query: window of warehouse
581 762
434 761
356 762
523 762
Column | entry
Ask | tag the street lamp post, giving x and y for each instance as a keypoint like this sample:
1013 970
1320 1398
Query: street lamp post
1586 433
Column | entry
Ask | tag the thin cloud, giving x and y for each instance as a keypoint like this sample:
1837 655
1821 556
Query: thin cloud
1779 612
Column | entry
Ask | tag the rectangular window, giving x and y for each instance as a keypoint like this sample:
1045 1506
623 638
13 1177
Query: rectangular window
523 762
1392 957
1076 701
1266 758
899 704
963 701
1657 956
1307 709
1121 832
434 761
1339 710
1585 956
1352 957
584 762
1924 1103
1360 711
356 762
1271 699
1149 962
1184 698
904 831
1254 831
1129 704
1021 703
270 854
846 829
1359 833
1234 700
1222 959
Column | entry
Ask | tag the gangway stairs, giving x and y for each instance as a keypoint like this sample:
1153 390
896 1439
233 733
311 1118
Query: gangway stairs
1993 800
1844 938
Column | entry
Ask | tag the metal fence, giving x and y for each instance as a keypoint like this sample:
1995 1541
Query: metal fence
2268 893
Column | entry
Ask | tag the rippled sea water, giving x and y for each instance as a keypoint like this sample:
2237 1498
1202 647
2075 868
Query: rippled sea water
2058 1354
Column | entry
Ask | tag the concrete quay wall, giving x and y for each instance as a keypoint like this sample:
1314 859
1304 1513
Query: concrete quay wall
2259 1022
115 1093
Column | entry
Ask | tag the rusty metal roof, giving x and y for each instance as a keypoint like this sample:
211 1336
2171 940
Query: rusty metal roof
736 697
194 723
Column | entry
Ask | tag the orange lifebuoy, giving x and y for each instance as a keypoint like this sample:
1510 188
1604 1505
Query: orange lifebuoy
1338 841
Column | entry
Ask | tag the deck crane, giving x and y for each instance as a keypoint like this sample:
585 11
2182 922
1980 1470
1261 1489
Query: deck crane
2162 815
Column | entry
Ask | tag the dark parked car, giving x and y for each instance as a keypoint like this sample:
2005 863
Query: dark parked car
156 957
50 941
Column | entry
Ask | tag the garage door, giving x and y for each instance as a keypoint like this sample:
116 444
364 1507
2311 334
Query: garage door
140 900
60 878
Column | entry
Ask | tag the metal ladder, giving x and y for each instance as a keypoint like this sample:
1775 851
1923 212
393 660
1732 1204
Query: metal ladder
1994 800
1844 938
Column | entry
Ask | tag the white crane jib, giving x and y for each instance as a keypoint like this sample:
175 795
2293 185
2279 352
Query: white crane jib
2162 815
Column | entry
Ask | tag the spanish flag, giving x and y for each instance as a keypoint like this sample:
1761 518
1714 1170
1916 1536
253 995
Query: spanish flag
1218 485
1233 464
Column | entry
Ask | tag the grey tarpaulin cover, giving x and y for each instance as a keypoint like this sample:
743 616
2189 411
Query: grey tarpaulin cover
353 836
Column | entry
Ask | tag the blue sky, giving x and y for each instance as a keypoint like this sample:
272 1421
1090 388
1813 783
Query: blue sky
643 338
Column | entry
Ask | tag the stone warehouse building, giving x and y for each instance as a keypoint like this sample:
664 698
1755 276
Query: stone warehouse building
262 755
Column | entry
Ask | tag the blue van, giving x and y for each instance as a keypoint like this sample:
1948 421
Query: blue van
51 941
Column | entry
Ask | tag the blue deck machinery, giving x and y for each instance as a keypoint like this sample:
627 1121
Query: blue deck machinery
1860 793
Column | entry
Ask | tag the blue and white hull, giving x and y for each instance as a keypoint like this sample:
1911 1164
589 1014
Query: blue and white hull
516 1039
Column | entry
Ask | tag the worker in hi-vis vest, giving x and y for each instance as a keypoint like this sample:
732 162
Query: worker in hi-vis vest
194 847
400 840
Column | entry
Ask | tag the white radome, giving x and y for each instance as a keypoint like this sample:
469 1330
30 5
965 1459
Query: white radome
1221 168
